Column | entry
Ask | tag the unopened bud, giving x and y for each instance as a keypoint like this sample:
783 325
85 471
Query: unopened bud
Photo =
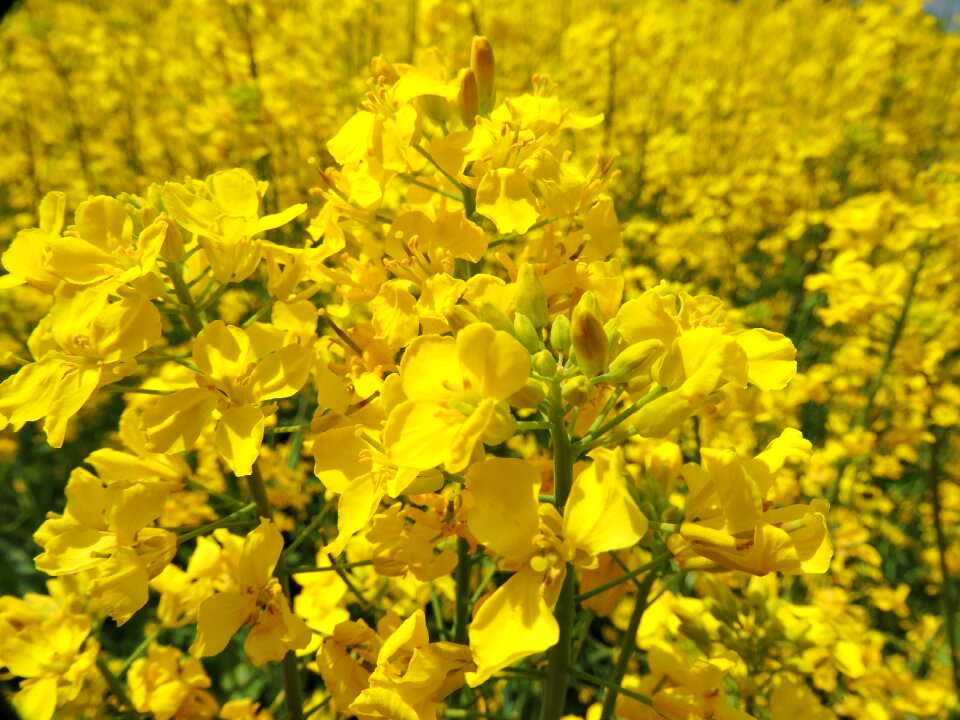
483 66
560 333
578 391
589 341
490 313
172 249
467 99
531 297
545 364
458 317
436 108
634 360
526 333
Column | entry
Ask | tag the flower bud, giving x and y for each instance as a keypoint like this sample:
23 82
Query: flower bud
467 100
172 249
458 317
483 67
589 341
491 314
545 364
526 333
531 297
560 333
578 390
435 107
634 360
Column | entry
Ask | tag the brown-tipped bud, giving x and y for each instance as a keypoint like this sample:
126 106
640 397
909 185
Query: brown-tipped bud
531 297
526 333
490 313
634 360
484 68
589 341
458 317
545 364
383 69
468 101
560 334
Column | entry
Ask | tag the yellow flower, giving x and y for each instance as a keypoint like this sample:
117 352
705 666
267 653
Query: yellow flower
224 213
456 393
730 523
104 530
258 601
168 685
86 341
505 516
234 380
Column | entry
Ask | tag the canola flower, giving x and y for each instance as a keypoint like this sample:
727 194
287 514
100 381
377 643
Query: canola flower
449 439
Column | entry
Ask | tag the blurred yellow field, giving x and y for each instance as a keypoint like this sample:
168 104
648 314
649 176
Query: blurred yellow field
450 359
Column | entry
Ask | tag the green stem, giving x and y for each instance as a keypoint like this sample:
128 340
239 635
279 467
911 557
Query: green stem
140 650
627 645
555 691
427 186
946 593
456 183
464 568
113 682
329 568
190 314
600 589
307 531
205 529
587 442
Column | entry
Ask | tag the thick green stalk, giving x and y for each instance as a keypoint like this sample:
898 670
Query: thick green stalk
190 313
555 688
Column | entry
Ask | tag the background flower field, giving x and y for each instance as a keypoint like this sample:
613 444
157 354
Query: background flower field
749 177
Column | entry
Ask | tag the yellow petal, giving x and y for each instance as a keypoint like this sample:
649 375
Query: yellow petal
174 422
771 362
222 351
238 437
662 415
504 196
235 193
420 434
503 515
281 374
37 699
600 515
513 623
261 550
218 620
493 362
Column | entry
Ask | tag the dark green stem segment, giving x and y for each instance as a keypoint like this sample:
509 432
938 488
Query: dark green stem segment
946 591
555 688
190 313
627 645
464 566
293 693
